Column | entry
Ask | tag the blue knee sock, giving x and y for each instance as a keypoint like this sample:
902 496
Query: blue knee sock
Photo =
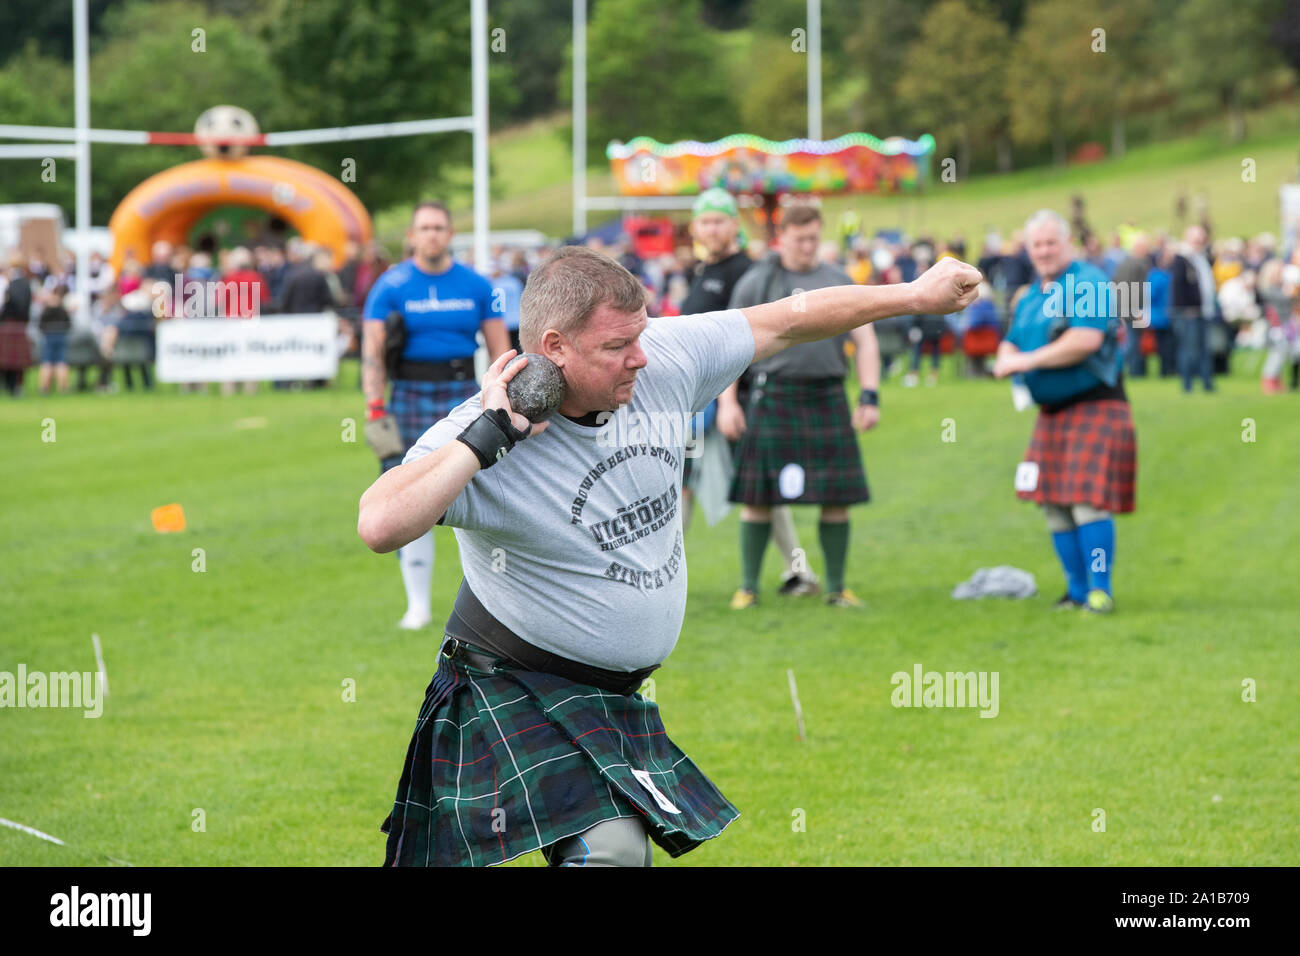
1076 570
1097 544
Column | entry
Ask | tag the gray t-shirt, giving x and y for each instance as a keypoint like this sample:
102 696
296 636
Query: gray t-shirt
574 539
822 359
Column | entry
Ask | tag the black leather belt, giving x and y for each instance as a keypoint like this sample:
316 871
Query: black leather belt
485 642
457 649
456 370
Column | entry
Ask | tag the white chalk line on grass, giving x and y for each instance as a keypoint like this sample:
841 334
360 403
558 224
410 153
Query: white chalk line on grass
32 830
798 711
99 658
45 836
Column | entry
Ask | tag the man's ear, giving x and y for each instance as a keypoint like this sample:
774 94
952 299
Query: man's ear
555 347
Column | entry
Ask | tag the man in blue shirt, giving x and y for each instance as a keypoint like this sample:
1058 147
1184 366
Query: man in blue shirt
442 306
1068 341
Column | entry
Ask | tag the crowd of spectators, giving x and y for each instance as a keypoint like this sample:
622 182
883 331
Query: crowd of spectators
42 308
1199 299
1193 300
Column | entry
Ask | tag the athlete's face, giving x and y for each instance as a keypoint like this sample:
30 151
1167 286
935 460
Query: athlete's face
715 231
430 234
601 361
798 246
1049 251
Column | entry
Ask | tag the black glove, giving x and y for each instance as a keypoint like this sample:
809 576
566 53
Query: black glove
491 435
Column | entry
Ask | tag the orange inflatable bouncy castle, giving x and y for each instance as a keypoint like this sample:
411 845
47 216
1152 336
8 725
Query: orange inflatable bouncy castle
166 206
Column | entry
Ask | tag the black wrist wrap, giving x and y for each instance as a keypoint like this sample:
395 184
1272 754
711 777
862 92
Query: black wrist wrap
491 435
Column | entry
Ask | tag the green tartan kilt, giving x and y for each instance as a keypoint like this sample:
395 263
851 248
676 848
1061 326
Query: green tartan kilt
507 762
799 447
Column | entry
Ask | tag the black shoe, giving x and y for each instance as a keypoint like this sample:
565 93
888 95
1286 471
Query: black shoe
1066 603
798 584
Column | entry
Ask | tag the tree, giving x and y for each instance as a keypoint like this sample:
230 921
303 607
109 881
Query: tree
1057 82
50 24
1225 51
653 69
153 72
877 48
1285 33
346 64
1133 67
36 90
536 35
951 80
774 101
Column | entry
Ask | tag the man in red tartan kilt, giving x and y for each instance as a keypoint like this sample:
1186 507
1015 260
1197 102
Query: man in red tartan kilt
533 734
1068 340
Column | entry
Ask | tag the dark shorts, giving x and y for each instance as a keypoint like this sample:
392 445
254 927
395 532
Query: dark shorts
1086 455
418 406
56 348
799 447
508 762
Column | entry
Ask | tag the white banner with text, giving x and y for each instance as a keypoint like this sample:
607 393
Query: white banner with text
278 348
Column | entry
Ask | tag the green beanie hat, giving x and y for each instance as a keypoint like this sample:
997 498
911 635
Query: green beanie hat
716 199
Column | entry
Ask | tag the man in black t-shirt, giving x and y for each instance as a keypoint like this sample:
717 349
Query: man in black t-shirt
715 226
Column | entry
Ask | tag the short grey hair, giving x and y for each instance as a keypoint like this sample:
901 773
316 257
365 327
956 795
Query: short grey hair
565 291
1048 215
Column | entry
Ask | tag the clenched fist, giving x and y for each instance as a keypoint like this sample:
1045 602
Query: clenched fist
947 286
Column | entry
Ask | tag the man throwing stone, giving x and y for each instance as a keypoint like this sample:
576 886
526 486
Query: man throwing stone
532 735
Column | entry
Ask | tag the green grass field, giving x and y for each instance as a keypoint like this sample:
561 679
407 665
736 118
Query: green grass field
226 684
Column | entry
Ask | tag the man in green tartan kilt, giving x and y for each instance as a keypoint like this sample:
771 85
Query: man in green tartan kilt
533 735
799 444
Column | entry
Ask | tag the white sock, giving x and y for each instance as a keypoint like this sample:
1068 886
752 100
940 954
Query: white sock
417 574
784 535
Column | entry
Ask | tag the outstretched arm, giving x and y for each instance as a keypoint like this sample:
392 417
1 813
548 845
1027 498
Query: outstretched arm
945 287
